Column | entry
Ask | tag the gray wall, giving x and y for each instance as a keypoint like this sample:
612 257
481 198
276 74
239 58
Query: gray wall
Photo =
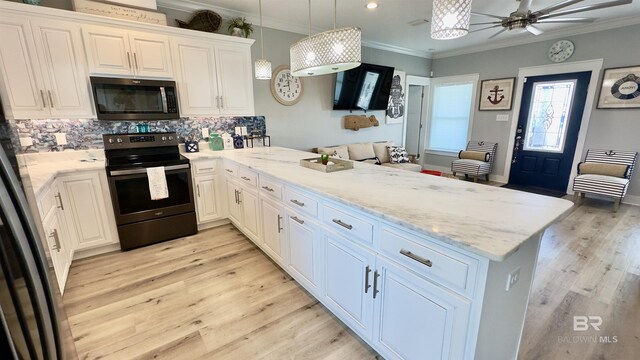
608 129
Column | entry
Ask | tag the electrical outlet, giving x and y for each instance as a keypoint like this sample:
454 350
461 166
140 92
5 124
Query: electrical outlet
61 138
513 278
26 141
205 132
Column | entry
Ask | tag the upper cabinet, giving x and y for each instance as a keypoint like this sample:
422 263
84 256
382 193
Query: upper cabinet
43 69
114 51
213 79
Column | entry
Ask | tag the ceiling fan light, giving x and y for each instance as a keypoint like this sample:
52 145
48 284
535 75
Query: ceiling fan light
450 19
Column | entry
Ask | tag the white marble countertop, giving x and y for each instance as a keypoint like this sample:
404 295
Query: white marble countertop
486 220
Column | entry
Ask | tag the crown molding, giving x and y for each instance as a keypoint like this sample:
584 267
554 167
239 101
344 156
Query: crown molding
396 49
550 35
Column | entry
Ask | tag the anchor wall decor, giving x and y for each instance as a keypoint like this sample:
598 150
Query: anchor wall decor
496 94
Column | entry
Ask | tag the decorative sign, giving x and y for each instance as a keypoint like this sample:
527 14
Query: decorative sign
620 88
119 12
496 94
395 109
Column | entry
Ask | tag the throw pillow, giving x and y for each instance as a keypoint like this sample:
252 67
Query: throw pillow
616 170
341 152
398 154
474 155
381 151
361 151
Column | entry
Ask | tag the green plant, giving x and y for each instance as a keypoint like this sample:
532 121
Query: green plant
241 23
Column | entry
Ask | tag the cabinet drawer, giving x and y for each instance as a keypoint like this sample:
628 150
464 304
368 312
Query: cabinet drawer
301 202
352 226
271 187
205 167
248 177
444 266
46 202
230 169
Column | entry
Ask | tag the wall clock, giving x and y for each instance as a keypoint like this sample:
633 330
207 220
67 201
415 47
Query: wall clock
285 88
561 51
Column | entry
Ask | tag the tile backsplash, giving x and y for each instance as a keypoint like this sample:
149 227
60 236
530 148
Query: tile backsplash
84 134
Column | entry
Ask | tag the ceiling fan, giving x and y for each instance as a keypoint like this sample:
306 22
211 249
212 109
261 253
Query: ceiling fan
524 18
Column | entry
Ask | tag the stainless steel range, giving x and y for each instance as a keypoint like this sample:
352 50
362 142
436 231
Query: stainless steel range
142 221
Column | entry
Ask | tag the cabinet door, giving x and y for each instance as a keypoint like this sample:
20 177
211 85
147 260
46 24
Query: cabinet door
272 229
250 214
348 283
59 258
108 51
151 55
207 202
22 88
61 57
235 210
304 257
416 319
235 80
196 77
85 209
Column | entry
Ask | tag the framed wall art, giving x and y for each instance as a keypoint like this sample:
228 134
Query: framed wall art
396 108
496 94
620 88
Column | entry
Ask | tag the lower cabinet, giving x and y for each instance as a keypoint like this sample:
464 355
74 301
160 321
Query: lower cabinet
244 209
273 229
304 259
59 249
233 199
207 199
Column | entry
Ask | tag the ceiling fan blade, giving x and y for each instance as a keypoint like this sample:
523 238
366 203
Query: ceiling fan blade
585 8
488 15
534 30
557 6
484 28
566 21
488 23
498 33
524 6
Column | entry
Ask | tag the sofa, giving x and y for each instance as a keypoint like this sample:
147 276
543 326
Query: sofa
370 152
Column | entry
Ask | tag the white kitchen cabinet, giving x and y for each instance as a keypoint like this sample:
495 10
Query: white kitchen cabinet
117 51
43 70
414 317
273 229
213 79
233 199
84 200
250 213
207 199
57 249
304 258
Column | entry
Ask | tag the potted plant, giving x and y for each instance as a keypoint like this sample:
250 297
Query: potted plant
240 27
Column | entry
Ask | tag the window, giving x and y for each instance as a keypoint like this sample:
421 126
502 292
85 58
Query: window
452 104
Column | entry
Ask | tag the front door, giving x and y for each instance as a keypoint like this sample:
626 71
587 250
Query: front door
547 133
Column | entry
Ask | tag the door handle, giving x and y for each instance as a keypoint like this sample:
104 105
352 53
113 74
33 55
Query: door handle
135 60
239 198
279 223
129 59
299 221
344 225
51 99
415 257
218 102
61 206
367 270
375 283
56 240
236 194
221 102
198 189
44 101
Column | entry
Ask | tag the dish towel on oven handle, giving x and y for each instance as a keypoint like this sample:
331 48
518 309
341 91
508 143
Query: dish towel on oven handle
157 183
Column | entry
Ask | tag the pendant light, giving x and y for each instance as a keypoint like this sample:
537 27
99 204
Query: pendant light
262 65
450 19
327 52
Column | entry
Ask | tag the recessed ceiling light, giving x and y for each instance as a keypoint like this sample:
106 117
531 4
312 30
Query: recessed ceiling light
372 5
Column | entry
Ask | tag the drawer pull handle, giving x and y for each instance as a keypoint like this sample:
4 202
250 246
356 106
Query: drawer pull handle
415 257
228 170
206 169
366 279
297 202
344 225
61 206
267 188
245 178
295 218
376 275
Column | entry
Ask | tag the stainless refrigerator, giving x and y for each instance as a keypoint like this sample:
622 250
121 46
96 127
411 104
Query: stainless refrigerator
33 323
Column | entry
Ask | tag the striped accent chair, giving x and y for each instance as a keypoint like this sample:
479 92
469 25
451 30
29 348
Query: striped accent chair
476 168
615 187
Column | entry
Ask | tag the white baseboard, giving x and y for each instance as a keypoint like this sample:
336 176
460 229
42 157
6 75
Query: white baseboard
213 224
81 254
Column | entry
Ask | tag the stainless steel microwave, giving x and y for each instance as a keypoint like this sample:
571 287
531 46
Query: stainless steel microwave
134 99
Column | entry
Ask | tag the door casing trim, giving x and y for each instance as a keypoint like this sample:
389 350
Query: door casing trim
419 81
595 66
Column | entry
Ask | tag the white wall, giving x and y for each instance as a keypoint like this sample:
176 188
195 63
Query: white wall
608 129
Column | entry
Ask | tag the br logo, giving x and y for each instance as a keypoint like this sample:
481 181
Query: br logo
582 323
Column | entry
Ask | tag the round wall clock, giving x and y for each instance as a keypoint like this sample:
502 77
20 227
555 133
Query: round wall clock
286 89
561 51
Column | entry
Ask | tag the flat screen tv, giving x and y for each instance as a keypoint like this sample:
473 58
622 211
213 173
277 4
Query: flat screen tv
366 87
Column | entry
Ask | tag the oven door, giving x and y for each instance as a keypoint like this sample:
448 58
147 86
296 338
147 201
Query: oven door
132 201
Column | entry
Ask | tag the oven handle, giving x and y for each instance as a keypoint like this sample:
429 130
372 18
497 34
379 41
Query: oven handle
144 170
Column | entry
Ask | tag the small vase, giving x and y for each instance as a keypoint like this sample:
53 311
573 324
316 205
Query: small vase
237 32
32 2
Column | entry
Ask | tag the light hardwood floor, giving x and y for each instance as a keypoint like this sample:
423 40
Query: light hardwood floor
216 296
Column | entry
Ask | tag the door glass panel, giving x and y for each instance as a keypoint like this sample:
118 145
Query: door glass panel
134 196
549 116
